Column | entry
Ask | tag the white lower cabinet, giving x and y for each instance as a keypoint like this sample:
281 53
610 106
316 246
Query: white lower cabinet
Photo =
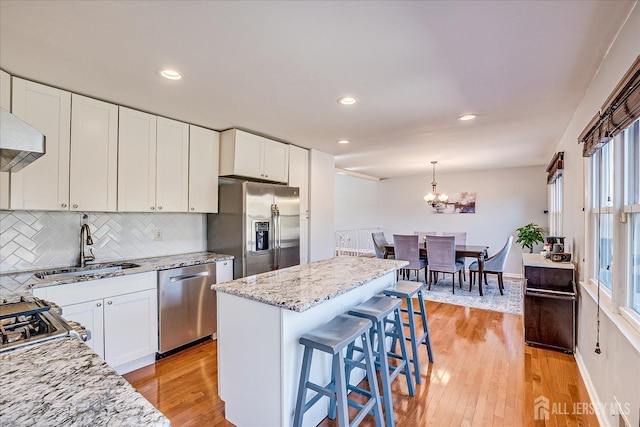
130 327
90 315
120 312
224 271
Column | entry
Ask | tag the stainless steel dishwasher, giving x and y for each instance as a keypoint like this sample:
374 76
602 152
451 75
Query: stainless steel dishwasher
186 305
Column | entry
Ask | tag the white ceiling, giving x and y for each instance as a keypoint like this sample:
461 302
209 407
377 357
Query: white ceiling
278 67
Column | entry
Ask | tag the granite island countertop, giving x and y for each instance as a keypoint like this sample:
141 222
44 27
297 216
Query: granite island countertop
301 287
63 382
13 286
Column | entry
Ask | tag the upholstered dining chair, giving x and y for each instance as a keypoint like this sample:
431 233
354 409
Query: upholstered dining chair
422 236
379 242
406 249
461 239
492 265
442 258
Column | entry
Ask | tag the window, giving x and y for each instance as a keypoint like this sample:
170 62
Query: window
554 179
612 141
631 190
623 150
602 213
555 207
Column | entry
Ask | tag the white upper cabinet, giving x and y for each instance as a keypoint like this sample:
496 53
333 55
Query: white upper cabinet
172 167
299 176
44 184
136 161
204 153
275 160
247 155
94 155
5 102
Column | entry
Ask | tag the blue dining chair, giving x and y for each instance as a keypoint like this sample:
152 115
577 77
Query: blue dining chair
492 265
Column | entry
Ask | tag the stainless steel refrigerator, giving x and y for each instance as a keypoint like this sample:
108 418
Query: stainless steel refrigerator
257 223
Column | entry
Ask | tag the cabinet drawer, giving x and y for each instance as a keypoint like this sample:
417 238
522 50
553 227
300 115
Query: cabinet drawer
75 293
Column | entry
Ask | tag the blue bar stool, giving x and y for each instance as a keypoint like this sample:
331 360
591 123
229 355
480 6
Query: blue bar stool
332 338
377 309
406 290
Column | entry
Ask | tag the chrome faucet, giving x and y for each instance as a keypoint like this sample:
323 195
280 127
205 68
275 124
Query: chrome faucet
84 258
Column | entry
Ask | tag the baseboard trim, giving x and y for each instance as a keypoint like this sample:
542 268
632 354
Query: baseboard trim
591 389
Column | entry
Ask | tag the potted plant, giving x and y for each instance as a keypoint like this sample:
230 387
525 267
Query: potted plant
529 235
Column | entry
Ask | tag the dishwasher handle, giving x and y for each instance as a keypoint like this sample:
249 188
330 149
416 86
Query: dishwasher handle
188 276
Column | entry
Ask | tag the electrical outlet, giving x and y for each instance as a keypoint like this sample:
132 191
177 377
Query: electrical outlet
157 234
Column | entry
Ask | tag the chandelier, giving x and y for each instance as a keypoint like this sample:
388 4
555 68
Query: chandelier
434 199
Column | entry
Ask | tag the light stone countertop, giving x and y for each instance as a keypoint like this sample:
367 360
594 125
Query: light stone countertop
537 260
13 286
62 382
301 287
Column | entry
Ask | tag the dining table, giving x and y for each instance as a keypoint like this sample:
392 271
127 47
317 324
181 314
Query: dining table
468 251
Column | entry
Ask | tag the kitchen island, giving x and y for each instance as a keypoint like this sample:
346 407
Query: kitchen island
261 318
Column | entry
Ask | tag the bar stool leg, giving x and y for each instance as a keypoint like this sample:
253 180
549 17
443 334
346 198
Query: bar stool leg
403 349
302 393
414 340
381 357
371 377
425 326
341 390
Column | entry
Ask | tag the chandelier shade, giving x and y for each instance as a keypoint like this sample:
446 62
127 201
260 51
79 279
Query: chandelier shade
434 199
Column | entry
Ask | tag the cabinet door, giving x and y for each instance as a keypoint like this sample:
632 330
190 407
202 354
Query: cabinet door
275 160
130 327
90 315
224 271
136 161
44 184
94 155
299 176
204 149
248 155
5 102
172 173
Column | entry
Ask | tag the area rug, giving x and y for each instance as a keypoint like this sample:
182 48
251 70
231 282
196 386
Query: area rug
510 302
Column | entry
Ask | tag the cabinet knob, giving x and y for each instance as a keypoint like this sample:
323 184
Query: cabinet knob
109 302
75 206
159 208
266 176
192 208
153 208
99 304
224 263
64 205
261 174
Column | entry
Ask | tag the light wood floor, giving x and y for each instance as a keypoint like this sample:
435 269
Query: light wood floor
483 375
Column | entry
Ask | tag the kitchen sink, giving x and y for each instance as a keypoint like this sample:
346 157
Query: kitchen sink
89 270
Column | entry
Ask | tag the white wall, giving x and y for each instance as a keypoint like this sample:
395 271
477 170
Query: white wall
505 200
615 373
356 203
321 206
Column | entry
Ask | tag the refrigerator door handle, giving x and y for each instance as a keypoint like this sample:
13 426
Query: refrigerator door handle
275 214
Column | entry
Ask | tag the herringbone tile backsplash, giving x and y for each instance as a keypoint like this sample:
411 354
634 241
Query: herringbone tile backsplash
33 239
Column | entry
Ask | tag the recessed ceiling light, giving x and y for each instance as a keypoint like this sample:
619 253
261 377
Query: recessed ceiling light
467 117
343 141
347 100
170 74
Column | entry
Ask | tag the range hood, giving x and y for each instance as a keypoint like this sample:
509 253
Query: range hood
20 143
